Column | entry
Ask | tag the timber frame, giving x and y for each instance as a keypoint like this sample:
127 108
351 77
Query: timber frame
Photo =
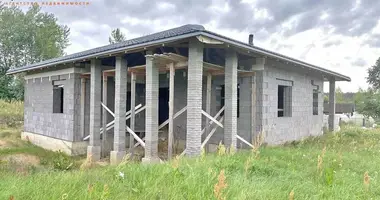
164 63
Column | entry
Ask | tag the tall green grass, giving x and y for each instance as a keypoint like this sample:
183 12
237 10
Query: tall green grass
11 113
344 165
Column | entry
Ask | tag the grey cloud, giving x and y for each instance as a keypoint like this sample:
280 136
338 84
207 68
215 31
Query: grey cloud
284 46
360 62
332 43
341 18
373 41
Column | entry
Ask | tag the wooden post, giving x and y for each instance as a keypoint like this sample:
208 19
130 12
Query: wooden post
104 115
208 104
83 106
133 102
171 110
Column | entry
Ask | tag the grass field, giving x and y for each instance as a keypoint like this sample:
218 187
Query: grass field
340 166
344 165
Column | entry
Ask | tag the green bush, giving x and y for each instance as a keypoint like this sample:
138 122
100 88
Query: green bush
61 161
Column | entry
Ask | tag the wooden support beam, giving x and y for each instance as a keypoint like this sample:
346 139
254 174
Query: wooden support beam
208 136
212 119
107 109
243 140
175 116
139 140
133 102
104 115
211 133
208 102
171 110
211 122
110 125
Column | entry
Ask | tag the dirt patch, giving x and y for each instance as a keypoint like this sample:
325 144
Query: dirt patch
23 159
4 144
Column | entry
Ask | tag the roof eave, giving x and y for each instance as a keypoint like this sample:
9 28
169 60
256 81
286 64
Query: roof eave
113 51
337 76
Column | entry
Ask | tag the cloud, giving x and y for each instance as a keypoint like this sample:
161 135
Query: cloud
321 32
373 41
342 16
332 43
360 62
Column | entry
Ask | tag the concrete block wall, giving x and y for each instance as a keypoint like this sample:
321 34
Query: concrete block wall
302 122
38 108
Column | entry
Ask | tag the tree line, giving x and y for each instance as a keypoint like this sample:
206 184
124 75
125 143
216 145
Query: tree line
29 37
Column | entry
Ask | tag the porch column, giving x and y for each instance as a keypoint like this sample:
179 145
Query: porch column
118 152
93 150
82 106
194 98
133 104
332 105
151 111
230 89
105 148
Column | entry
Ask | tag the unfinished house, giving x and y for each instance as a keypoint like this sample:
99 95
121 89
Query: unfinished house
184 84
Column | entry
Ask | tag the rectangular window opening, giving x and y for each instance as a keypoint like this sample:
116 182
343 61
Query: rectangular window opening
315 102
58 92
284 101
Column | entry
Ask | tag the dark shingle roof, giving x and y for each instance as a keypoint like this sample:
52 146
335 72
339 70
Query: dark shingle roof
185 31
190 28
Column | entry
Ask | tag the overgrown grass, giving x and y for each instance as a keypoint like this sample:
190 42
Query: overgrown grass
11 113
12 147
333 166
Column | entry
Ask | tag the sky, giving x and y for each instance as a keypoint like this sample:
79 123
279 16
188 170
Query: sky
340 35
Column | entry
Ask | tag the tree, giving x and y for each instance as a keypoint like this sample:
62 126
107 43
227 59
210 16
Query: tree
368 101
26 38
339 97
374 75
116 36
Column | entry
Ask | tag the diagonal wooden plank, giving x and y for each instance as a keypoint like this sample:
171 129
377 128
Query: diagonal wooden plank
243 140
212 119
211 122
211 133
139 140
110 124
105 107
174 116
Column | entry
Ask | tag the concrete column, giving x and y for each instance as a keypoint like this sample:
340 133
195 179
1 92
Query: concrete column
194 98
230 90
245 111
94 149
120 108
151 112
332 105
82 106
105 149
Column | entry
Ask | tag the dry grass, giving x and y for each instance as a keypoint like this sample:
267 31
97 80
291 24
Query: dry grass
22 158
11 113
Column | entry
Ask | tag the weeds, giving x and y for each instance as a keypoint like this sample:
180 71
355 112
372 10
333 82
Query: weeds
220 186
366 181
61 161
